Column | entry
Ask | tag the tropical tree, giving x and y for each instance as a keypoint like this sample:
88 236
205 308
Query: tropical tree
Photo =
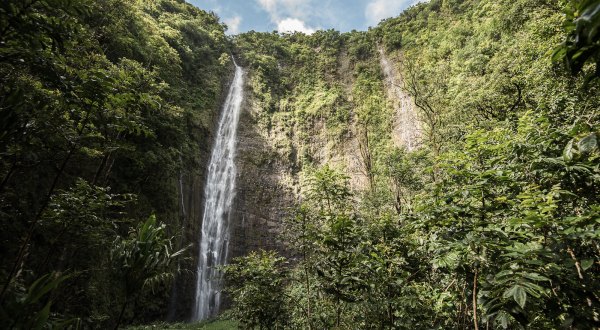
143 259
256 284
582 43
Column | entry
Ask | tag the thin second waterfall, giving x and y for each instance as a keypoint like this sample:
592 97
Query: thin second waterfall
219 193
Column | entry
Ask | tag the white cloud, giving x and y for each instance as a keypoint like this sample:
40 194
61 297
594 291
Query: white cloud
269 5
282 8
290 15
233 24
377 10
294 25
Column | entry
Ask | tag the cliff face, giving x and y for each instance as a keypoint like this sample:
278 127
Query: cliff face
346 107
191 190
265 184
283 136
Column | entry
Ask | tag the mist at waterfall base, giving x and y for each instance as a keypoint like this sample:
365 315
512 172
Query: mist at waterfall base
219 193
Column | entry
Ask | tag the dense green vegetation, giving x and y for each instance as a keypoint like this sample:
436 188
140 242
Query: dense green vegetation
208 325
491 223
103 104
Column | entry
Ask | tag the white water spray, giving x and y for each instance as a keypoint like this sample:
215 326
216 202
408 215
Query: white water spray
219 193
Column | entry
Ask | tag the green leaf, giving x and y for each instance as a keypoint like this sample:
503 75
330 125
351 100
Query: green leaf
504 273
536 277
43 285
568 152
587 263
42 316
504 321
520 296
509 292
588 144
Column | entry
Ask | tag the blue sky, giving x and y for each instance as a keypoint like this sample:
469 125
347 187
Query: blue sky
302 15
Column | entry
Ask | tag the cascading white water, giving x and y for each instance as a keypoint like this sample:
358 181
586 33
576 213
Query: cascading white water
407 127
219 193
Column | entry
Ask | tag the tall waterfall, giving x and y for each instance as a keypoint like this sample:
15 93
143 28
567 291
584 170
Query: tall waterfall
219 193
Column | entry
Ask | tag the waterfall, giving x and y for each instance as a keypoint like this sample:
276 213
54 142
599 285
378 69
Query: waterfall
406 130
219 193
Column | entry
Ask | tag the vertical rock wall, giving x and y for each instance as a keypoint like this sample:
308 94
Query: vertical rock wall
264 188
406 126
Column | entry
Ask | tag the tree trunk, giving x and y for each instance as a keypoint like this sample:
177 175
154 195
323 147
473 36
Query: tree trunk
8 175
309 313
121 314
475 324
100 168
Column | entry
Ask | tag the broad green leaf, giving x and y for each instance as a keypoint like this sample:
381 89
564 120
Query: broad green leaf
587 263
588 144
509 292
568 152
520 296
536 277
504 321
42 316
504 273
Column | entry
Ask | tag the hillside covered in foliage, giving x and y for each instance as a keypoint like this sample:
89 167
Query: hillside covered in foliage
103 105
443 166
